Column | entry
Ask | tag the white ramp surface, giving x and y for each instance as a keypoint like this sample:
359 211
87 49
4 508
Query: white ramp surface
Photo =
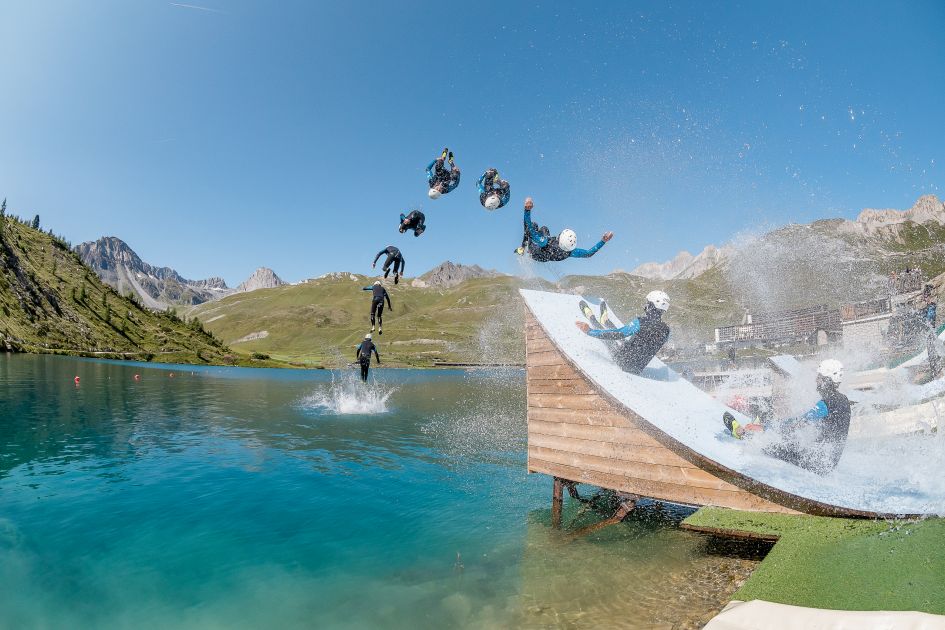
900 475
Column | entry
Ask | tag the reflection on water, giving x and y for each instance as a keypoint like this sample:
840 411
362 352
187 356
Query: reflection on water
213 498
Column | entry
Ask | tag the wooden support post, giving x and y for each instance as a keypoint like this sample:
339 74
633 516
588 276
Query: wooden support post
556 501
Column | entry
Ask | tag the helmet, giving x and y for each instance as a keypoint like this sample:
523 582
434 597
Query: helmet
367 336
831 369
659 299
377 282
492 202
433 193
567 240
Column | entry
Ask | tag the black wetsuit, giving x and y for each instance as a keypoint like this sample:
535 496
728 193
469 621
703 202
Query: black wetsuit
831 417
379 294
363 356
647 334
393 256
413 221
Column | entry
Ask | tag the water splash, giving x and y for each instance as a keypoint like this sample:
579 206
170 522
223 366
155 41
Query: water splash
347 395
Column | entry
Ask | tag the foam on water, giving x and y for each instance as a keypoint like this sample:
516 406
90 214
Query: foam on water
348 395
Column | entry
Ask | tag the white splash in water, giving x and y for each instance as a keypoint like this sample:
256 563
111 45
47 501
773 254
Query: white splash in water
347 395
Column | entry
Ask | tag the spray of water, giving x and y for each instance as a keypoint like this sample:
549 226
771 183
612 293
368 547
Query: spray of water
347 395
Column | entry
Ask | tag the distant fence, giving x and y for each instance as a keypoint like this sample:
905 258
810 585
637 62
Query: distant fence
789 325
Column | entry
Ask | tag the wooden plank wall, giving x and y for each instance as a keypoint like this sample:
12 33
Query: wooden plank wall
575 434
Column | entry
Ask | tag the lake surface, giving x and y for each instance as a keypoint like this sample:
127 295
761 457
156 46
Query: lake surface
241 498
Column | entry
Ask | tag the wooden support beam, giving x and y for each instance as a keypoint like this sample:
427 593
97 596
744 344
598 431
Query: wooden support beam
626 506
556 500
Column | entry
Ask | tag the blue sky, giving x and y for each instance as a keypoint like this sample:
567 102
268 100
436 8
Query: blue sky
217 136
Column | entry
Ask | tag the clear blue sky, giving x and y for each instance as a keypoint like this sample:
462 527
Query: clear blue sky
216 136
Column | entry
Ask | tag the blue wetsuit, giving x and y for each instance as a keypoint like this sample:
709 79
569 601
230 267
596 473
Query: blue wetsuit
489 184
437 174
543 247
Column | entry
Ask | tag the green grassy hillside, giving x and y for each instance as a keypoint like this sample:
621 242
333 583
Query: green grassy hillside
50 302
477 321
319 322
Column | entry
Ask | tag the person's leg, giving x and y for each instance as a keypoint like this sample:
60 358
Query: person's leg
380 315
365 367
387 264
373 310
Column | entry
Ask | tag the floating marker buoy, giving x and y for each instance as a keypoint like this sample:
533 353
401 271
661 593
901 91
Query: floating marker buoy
76 380
171 375
137 377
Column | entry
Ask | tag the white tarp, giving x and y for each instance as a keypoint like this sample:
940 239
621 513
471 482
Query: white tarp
890 475
761 614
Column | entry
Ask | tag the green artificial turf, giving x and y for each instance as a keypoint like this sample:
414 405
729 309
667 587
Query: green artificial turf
841 564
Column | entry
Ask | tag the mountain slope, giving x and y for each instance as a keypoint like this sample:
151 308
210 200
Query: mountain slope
51 302
157 287
262 278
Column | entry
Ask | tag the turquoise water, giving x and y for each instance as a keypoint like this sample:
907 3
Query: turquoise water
235 498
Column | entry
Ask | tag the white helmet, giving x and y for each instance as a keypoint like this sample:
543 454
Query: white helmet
367 336
377 282
434 193
492 202
832 369
659 299
567 240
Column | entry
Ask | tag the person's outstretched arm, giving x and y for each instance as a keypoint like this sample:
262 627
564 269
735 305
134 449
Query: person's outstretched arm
504 193
403 264
387 295
616 333
379 254
537 237
377 356
430 168
587 253
481 183
357 352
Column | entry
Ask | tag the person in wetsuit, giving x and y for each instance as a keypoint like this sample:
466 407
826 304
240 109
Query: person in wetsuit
830 418
413 221
379 294
363 355
442 180
493 191
393 257
633 346
542 247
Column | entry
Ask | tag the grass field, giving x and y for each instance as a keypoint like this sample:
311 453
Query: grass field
842 564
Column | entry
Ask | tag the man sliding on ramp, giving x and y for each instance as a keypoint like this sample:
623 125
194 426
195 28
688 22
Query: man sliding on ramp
413 221
363 355
393 256
493 192
647 333
830 420
442 180
377 305
543 247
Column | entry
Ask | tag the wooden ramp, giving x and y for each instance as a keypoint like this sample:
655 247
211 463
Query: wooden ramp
576 434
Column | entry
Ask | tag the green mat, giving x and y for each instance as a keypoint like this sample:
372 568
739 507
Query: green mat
841 564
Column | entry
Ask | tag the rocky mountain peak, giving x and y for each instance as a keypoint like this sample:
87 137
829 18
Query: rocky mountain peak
927 208
262 278
448 274
684 265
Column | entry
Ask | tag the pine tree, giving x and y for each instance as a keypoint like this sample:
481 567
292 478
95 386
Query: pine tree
82 293
35 224
3 208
